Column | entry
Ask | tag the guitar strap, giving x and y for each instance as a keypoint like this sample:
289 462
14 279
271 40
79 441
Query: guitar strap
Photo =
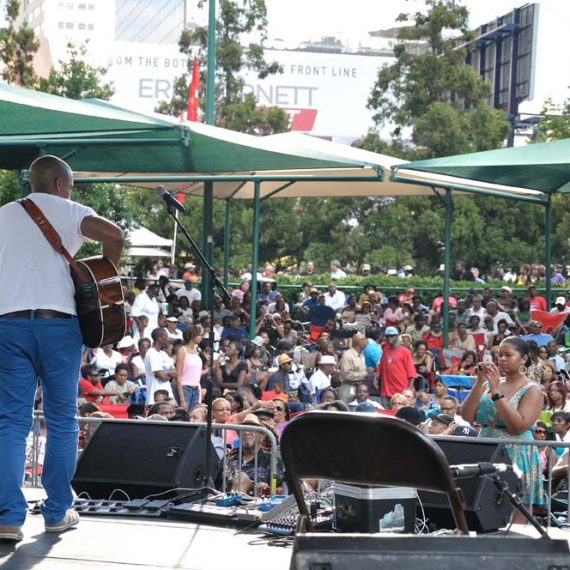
54 240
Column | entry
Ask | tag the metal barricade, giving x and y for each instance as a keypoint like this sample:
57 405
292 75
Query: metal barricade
217 429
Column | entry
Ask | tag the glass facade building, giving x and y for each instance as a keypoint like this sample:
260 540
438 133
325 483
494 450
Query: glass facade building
149 21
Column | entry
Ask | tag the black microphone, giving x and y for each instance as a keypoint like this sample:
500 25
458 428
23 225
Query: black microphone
170 200
470 471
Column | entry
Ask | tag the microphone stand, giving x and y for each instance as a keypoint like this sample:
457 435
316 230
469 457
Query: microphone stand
503 488
216 285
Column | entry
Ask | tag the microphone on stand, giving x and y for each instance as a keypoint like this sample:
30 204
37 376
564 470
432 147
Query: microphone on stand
471 471
170 200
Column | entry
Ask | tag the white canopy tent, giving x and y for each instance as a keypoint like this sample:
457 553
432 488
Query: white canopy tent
144 243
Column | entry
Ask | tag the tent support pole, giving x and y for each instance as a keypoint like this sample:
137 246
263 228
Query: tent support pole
447 264
207 239
254 258
548 245
227 241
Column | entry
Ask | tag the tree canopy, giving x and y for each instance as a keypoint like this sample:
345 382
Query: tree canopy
18 45
76 79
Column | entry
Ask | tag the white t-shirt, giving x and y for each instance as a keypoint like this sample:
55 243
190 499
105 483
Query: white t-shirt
35 275
139 363
176 335
192 295
318 381
155 361
336 301
145 306
102 361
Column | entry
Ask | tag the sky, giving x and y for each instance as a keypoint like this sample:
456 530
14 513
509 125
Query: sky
301 20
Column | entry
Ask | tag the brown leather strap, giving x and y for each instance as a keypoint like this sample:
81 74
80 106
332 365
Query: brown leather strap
55 241
52 236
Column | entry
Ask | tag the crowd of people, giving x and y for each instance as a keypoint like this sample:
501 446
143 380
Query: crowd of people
527 273
335 351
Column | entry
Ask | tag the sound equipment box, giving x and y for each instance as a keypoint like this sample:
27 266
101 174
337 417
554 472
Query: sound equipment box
484 509
349 551
143 458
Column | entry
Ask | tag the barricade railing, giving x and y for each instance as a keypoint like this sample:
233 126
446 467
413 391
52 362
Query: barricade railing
221 451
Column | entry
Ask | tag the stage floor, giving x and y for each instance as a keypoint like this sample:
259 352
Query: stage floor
144 544
108 542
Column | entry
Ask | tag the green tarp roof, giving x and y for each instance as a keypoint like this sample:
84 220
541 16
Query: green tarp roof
96 136
103 141
543 167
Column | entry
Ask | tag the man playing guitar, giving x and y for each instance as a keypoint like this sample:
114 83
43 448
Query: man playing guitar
40 337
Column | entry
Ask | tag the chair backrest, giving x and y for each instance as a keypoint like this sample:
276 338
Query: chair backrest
366 449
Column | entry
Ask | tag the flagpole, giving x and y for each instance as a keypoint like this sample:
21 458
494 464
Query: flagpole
173 248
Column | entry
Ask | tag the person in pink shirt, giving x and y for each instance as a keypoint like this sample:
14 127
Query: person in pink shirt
393 315
189 369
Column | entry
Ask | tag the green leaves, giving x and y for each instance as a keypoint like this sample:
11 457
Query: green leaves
76 79
429 88
556 122
17 49
238 23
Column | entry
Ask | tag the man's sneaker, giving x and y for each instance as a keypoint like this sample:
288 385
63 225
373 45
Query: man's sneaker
11 533
70 520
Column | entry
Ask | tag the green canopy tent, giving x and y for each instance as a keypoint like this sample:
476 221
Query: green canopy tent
538 171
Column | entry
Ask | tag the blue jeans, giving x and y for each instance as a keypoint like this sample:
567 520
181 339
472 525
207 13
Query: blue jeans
191 395
49 349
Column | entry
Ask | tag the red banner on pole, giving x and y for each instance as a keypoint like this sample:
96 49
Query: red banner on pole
193 100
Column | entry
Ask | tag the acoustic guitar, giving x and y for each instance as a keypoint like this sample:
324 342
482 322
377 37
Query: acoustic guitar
99 302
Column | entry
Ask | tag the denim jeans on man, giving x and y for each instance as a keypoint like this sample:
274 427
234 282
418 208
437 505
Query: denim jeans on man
48 349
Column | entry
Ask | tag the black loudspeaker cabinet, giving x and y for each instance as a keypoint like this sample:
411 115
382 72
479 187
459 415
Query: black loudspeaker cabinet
350 552
484 509
143 458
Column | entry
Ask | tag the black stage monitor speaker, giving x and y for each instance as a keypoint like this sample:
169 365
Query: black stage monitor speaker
484 509
143 458
347 552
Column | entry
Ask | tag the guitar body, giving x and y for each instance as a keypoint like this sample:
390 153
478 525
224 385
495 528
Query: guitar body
100 303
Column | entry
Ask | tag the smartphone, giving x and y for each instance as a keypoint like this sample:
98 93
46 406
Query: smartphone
487 359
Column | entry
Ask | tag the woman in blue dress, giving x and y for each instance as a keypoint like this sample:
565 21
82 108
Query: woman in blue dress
507 403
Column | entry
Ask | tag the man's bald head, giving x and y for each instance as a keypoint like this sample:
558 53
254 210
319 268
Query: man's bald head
51 175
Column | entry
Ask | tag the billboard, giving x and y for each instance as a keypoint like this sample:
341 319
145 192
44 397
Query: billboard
504 52
325 94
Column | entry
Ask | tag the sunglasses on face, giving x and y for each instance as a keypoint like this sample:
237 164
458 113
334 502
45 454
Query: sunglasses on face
542 431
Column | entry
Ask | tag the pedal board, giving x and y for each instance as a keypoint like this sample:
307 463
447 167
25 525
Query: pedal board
99 507
215 515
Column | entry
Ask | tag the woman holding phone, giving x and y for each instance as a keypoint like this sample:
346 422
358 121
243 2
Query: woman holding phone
507 403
